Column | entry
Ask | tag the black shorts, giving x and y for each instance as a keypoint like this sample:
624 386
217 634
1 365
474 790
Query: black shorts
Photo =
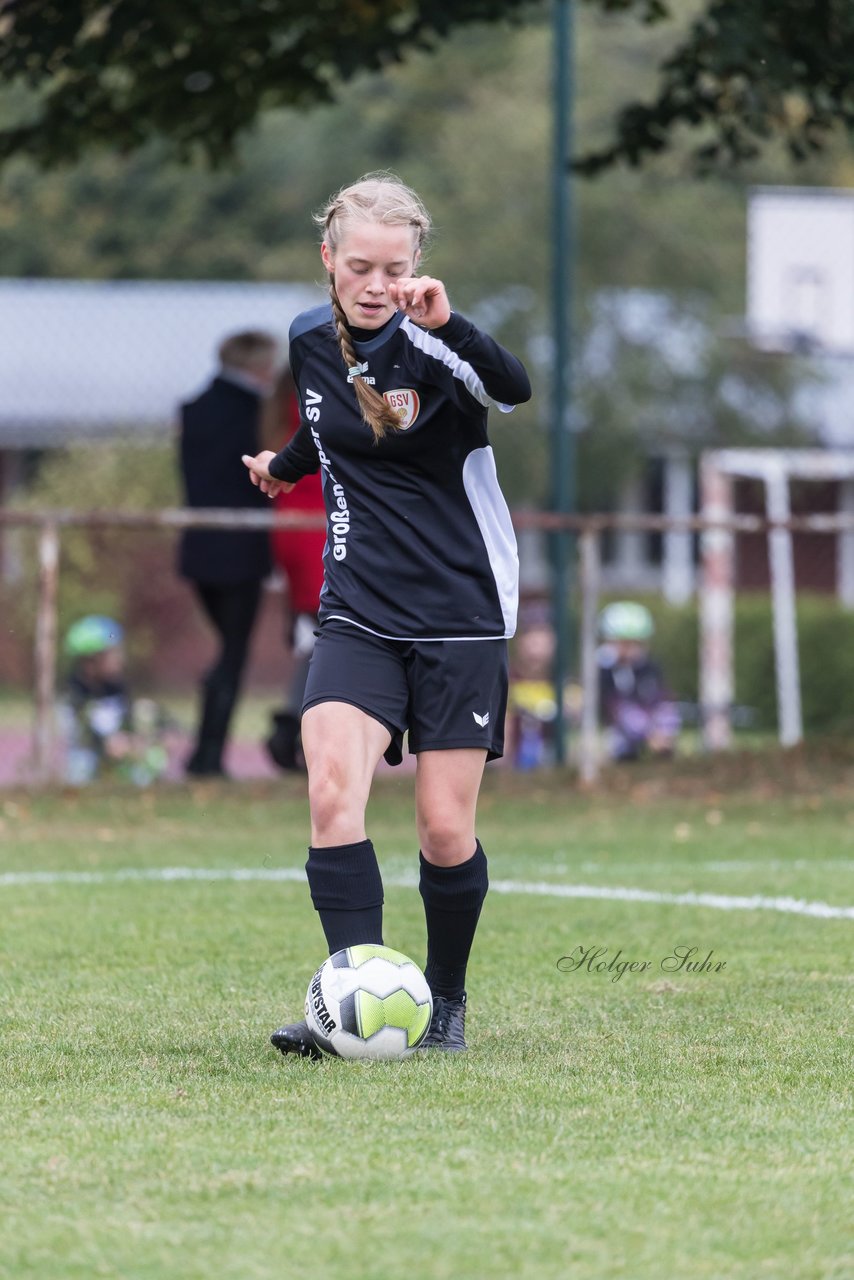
446 693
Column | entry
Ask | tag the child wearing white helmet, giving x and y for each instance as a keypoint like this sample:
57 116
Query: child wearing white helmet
636 707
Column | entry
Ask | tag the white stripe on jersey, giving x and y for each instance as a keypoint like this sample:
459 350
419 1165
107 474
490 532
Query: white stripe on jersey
480 480
461 369
384 635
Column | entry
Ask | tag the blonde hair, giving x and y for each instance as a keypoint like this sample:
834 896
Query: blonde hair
382 198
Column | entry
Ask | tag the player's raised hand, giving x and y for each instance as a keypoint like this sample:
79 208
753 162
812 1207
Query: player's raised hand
260 476
423 299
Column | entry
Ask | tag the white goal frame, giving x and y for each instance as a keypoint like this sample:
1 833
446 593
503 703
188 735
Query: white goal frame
776 468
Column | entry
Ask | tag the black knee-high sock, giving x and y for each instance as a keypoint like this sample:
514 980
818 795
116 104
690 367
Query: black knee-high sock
453 897
347 892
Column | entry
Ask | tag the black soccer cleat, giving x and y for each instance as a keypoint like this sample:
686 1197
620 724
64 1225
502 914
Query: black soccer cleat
447 1026
295 1038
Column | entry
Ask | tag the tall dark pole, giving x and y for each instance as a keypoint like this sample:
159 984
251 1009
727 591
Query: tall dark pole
562 438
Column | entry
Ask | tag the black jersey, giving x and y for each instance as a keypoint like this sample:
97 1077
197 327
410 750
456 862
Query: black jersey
420 545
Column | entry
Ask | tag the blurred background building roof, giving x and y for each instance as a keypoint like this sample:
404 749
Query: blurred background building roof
98 358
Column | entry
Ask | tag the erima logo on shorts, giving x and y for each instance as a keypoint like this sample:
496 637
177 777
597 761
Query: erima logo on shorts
483 720
405 403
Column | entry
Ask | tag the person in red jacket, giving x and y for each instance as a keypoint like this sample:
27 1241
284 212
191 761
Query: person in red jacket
298 554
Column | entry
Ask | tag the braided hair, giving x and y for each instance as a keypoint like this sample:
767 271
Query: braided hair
383 198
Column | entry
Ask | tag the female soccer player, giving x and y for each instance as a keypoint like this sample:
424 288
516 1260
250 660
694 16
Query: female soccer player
421 577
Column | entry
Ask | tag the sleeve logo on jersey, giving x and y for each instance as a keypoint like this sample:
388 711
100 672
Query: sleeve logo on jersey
405 403
338 512
312 405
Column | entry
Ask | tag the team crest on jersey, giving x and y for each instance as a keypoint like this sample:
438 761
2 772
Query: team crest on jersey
405 403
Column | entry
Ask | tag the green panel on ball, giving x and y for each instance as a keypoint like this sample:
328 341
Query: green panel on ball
417 1028
370 1013
366 951
397 1010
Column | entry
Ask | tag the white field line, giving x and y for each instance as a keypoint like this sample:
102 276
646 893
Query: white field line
718 901
536 888
722 865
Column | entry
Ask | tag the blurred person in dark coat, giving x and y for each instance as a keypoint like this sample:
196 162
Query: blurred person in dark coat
227 567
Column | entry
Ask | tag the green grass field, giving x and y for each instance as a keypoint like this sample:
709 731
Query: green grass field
664 1124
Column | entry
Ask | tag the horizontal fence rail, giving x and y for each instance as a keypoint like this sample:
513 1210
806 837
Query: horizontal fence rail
716 625
547 521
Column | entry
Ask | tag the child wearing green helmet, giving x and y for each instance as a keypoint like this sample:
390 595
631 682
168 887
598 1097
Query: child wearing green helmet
637 710
97 712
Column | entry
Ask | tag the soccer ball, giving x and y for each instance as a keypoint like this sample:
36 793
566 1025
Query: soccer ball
368 1001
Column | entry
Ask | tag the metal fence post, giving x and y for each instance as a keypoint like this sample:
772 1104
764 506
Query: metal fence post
45 652
590 570
716 605
782 565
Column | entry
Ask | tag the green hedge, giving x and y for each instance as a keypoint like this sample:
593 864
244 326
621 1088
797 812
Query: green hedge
826 644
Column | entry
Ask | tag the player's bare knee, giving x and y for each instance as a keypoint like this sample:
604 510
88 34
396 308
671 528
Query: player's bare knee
335 802
327 790
445 841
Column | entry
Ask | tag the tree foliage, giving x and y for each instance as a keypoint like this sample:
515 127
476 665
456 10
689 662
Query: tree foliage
121 72
482 164
197 73
745 74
